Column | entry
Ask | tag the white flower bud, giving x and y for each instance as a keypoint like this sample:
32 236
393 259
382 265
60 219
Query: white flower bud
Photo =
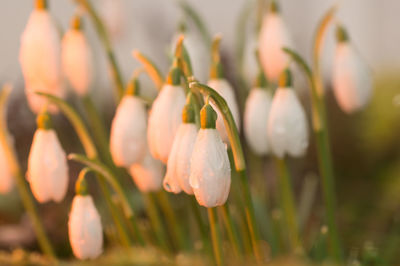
47 167
77 61
84 228
148 174
40 58
164 120
178 168
210 176
128 132
226 91
352 83
273 37
114 17
6 175
256 113
287 124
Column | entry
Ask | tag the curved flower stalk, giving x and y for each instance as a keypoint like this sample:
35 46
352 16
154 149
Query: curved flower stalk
221 85
273 37
256 114
84 225
6 176
40 58
47 163
352 83
128 129
287 123
178 167
77 58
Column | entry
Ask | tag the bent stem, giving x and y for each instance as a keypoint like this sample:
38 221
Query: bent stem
26 196
215 236
287 204
231 230
238 156
151 69
105 40
112 180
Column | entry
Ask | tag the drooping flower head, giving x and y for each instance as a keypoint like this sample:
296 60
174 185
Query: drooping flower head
84 225
77 58
222 86
210 173
273 37
287 123
40 58
165 115
352 83
47 163
178 167
256 114
128 129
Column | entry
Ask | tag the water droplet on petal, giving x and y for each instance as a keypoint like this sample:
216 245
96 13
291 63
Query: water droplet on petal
194 182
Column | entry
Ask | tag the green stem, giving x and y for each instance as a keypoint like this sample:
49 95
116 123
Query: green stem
238 156
91 152
215 236
199 220
103 35
104 171
23 189
288 205
231 230
150 68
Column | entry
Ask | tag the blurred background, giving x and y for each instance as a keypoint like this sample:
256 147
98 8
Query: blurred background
366 145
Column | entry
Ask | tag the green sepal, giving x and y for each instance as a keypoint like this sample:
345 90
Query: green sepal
274 7
133 88
341 34
41 4
286 79
208 117
43 121
76 23
189 112
216 71
81 186
261 80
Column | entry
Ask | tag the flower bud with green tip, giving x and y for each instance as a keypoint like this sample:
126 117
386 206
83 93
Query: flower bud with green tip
210 173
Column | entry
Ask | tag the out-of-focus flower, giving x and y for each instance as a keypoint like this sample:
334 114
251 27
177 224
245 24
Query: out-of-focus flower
178 167
256 113
77 58
352 83
210 176
128 129
84 228
148 174
273 37
287 123
6 176
165 117
114 17
47 163
40 58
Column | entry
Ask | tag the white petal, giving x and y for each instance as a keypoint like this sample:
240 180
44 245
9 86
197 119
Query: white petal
128 132
273 37
6 176
351 79
76 60
287 125
210 175
84 228
256 113
148 174
113 15
164 120
47 167
40 58
226 91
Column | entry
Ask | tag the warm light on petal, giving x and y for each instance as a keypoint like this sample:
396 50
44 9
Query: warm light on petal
85 229
287 125
6 176
258 105
47 167
210 175
128 132
351 79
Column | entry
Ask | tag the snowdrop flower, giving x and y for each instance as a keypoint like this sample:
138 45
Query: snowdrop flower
256 113
40 58
178 167
210 176
128 129
165 116
77 58
114 17
84 225
287 123
273 37
148 174
221 85
352 83
6 175
47 163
